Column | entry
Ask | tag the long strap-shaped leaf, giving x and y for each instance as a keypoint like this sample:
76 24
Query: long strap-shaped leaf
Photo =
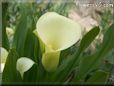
10 74
25 42
99 77
93 61
5 42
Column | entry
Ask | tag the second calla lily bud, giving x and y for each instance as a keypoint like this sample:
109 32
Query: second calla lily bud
23 65
57 33
4 54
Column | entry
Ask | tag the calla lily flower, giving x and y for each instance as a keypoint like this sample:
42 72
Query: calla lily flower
57 33
4 54
23 65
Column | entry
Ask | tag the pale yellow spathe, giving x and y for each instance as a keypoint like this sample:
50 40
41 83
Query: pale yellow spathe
50 60
4 54
23 65
58 32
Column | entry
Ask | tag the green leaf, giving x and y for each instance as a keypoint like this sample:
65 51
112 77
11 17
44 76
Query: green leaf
0 78
88 63
24 40
107 46
26 43
21 32
5 42
10 74
88 38
84 67
32 75
108 41
99 77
